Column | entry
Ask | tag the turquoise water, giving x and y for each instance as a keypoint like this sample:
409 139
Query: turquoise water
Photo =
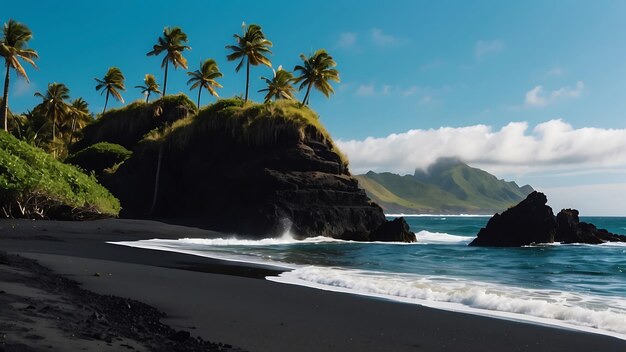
575 286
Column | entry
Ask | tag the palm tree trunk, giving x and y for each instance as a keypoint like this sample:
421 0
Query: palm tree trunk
54 150
73 130
306 96
199 91
148 97
5 100
106 101
54 123
165 79
156 180
247 78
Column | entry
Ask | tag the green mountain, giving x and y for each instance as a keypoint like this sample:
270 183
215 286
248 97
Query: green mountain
447 187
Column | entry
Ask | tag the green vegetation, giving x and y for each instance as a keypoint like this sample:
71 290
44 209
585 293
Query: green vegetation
54 123
59 127
54 105
112 83
79 116
15 37
251 48
205 78
150 86
317 72
127 125
279 87
99 157
246 124
35 185
172 42
448 187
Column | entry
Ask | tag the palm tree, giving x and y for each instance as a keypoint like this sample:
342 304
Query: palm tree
54 105
172 41
280 86
205 78
317 72
111 83
80 116
13 48
150 86
251 47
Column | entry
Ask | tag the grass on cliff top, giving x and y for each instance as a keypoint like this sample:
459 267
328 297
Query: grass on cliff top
98 157
127 125
28 173
251 124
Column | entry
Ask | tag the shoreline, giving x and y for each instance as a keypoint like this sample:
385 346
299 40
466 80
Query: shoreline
226 301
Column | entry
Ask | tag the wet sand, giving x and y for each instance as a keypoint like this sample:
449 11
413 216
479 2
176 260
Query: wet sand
232 303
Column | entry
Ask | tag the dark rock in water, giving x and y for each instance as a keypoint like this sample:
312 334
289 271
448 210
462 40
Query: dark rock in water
531 221
571 230
390 230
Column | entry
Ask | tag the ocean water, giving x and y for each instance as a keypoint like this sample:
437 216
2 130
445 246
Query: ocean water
579 287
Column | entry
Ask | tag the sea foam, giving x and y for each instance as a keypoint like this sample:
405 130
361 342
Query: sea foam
603 315
427 237
438 215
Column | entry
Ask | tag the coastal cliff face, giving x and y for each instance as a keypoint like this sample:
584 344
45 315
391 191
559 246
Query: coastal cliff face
533 222
259 173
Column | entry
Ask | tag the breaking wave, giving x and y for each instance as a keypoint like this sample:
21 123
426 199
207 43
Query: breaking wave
606 315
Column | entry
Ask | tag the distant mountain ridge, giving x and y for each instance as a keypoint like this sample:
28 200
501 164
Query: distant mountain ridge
449 186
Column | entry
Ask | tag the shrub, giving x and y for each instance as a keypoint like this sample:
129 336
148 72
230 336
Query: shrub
35 185
99 156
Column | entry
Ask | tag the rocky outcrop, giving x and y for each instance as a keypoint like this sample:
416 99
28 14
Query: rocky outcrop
532 222
297 183
395 230
571 230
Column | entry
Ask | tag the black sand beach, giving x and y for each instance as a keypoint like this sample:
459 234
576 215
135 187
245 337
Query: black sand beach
231 303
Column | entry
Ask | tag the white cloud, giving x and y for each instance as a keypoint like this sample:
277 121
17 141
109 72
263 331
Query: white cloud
569 92
365 90
553 145
555 71
369 90
537 97
425 100
21 88
409 91
347 40
484 48
534 98
382 39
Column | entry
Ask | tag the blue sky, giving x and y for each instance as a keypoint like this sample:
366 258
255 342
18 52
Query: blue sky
405 66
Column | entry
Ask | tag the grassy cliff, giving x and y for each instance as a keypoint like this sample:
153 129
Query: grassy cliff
126 126
35 185
250 125
253 169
